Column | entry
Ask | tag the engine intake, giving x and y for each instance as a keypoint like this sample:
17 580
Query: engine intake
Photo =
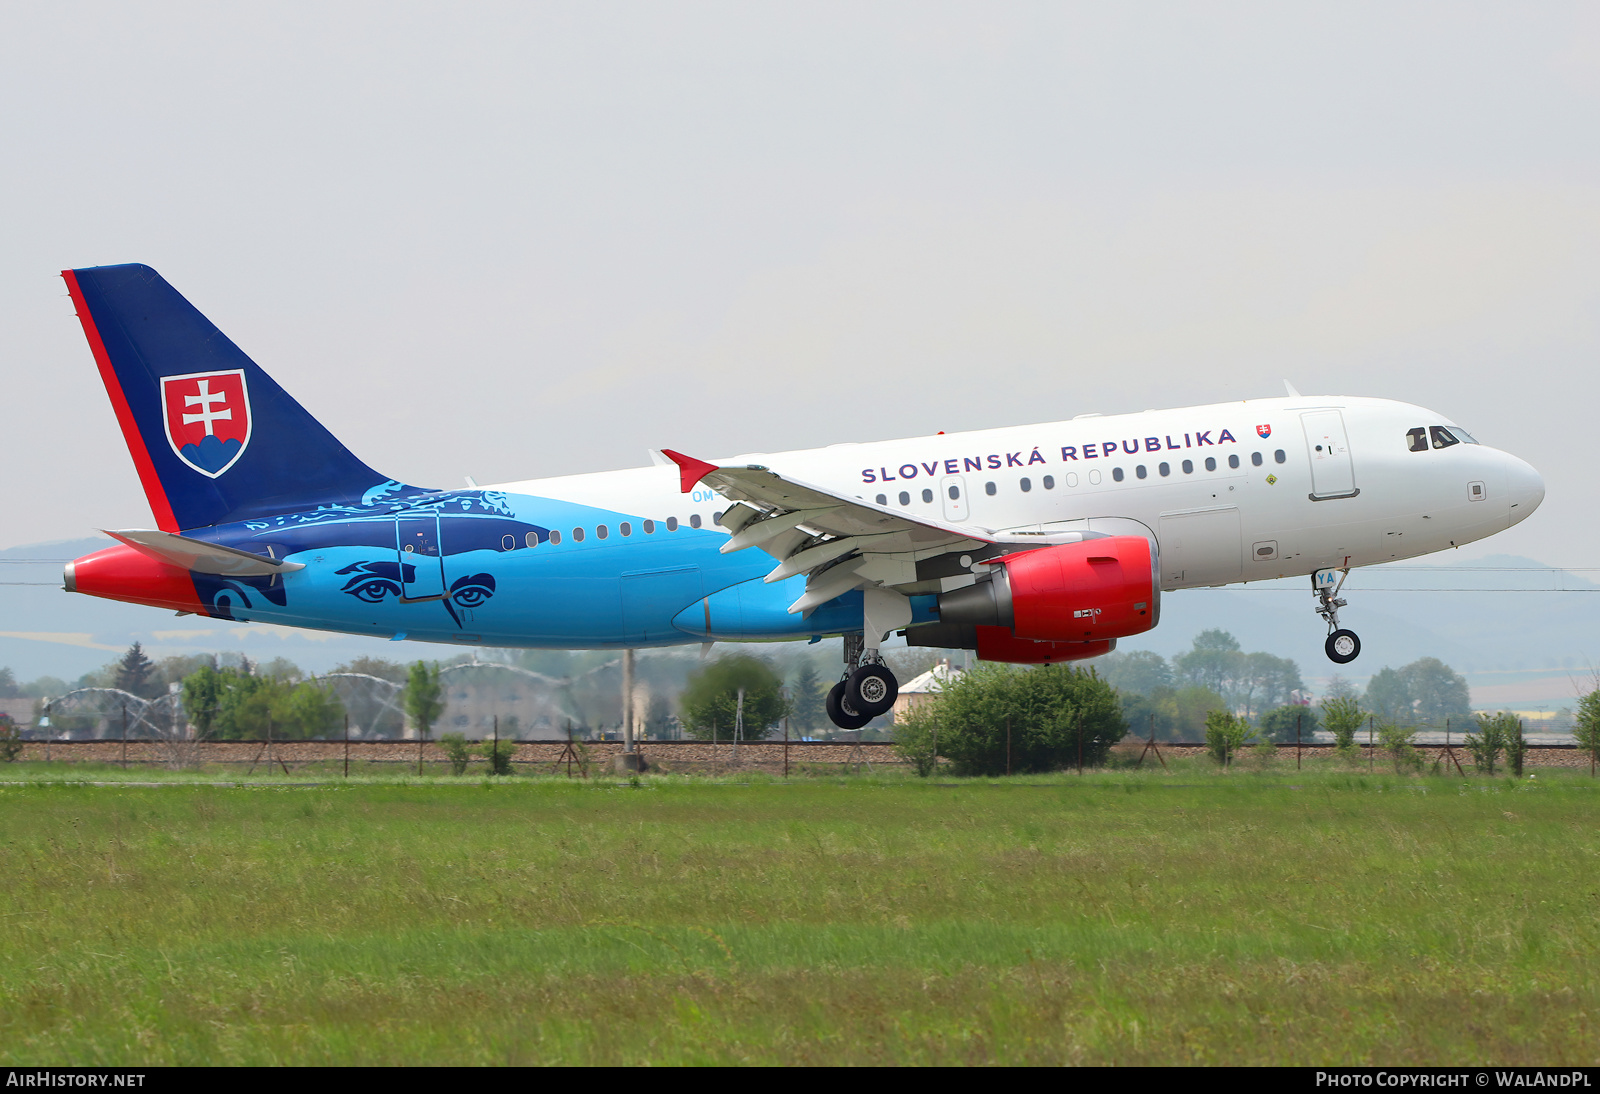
1073 592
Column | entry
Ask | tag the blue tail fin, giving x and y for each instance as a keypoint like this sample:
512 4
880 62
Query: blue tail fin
213 437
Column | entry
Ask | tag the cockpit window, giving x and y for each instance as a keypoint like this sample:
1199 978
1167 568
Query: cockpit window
1442 437
1462 435
1417 439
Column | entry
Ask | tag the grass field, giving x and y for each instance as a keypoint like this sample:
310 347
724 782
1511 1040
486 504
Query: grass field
1124 917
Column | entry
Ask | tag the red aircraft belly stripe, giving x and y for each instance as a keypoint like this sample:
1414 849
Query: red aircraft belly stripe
159 505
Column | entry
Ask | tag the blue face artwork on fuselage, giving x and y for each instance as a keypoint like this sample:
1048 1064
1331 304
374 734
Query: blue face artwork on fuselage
466 521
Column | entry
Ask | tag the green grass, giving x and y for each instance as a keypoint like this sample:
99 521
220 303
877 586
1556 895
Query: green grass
1125 917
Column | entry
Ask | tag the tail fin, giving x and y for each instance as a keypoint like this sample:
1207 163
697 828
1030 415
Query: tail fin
213 437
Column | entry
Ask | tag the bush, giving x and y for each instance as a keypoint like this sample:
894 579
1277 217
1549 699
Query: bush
1398 742
1342 717
1045 707
1586 726
1490 738
1280 724
916 737
1226 734
499 754
1515 745
455 747
10 739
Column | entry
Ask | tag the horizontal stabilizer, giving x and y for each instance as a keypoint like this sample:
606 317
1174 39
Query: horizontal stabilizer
202 557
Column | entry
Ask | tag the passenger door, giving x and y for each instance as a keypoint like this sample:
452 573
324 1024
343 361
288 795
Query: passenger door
1332 473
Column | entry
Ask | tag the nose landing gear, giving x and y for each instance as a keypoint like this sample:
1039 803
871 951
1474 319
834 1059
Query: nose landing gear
1342 646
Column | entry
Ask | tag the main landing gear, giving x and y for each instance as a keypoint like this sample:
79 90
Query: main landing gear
1342 646
866 690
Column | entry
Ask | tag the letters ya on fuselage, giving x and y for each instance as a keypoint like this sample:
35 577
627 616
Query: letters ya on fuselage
1035 543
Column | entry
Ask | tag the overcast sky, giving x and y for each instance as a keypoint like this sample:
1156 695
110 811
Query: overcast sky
529 239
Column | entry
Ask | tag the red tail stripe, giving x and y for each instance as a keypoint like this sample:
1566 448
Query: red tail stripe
148 478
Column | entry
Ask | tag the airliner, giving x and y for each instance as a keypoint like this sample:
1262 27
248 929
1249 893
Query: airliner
1031 544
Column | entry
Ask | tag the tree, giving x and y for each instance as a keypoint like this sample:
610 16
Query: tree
8 685
134 673
1280 724
1342 716
10 739
1213 663
1398 742
1226 734
1438 692
424 700
202 698
916 738
1044 708
1177 714
1137 672
1586 726
711 698
1389 695
1490 738
807 711
1340 688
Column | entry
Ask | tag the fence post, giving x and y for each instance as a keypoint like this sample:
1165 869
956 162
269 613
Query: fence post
1298 718
347 744
786 746
494 757
124 734
1008 744
1080 744
1372 756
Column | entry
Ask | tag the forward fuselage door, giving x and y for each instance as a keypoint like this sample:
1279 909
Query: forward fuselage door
421 559
1332 474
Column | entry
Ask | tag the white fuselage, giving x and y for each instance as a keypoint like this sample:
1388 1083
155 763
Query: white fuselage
1334 482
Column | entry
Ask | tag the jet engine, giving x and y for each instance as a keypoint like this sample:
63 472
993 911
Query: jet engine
1059 601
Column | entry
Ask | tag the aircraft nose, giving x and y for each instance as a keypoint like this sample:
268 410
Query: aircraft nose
1524 489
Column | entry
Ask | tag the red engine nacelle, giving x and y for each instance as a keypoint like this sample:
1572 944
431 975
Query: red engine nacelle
999 644
1072 593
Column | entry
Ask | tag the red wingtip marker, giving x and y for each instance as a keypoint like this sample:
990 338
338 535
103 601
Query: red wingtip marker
690 470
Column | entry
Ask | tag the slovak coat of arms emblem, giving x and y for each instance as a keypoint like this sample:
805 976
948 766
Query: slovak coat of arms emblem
1264 431
207 415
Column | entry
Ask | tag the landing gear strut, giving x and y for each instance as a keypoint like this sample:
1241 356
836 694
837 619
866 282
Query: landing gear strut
1342 646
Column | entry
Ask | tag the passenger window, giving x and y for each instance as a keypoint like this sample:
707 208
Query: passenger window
927 497
1279 457
1233 460
531 539
988 488
625 528
1188 467
577 535
1140 472
672 524
694 520
1072 479
508 543
555 537
1026 484
1211 463
905 498
716 518
1417 439
1442 437
1164 469
955 493
882 499
1116 474
1255 459
1049 482
602 531
649 527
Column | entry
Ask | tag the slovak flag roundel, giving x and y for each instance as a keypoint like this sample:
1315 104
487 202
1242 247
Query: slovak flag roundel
207 416
1264 431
